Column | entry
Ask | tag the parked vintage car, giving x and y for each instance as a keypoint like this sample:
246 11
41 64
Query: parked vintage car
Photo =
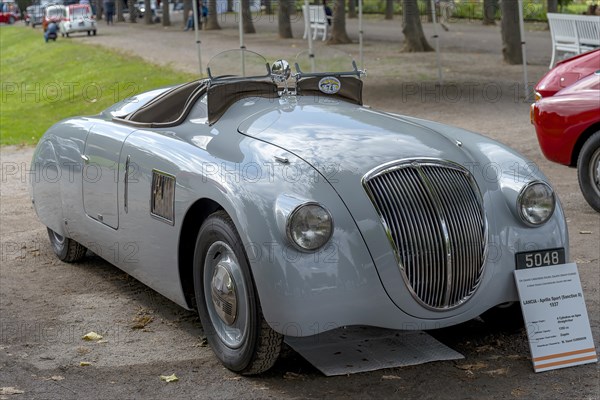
288 208
34 15
141 8
53 13
77 18
9 13
567 72
568 130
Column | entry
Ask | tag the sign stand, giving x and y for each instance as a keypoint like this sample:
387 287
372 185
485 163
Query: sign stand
557 322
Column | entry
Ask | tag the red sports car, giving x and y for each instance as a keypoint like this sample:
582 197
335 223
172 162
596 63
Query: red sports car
9 13
568 130
567 72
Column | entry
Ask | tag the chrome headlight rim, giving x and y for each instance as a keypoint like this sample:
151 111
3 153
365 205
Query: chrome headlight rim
288 228
521 196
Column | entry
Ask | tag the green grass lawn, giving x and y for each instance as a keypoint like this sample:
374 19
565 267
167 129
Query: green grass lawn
42 83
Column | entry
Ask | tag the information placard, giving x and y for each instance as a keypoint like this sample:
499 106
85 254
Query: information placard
556 317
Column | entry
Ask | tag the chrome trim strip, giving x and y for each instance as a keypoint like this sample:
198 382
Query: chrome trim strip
126 184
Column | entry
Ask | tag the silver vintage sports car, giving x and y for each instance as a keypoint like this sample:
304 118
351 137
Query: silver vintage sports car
278 204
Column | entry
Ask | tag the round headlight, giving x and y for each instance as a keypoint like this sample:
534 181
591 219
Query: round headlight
309 226
536 203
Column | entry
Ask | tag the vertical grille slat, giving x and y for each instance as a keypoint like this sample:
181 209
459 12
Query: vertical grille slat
433 213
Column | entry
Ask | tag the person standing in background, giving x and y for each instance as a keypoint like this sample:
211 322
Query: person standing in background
109 9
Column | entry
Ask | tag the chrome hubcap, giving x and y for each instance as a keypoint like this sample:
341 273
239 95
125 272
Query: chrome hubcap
226 294
223 295
595 170
58 238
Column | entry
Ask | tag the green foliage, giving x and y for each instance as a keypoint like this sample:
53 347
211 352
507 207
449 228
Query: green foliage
378 6
564 3
533 10
43 83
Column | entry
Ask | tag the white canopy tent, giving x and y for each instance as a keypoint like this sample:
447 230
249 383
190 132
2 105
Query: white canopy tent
437 41
361 39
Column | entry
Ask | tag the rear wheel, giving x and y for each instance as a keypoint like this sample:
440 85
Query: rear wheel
67 250
588 171
227 301
89 33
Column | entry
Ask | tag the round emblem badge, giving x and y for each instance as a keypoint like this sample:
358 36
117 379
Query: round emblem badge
330 85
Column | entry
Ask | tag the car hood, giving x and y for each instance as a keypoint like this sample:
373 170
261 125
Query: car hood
344 141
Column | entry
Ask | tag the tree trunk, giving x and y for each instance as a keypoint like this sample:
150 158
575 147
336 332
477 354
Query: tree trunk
147 12
389 9
414 38
247 17
166 17
338 24
552 6
285 24
229 5
99 9
132 11
119 8
212 21
352 9
490 7
511 36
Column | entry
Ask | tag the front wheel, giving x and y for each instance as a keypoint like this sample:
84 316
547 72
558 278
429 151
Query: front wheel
67 250
227 301
505 317
94 32
588 171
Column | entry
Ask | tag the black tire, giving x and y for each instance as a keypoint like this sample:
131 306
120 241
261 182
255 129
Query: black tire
505 317
246 343
66 249
11 20
89 33
588 171
67 34
94 32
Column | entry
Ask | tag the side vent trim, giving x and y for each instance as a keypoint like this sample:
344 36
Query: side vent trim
162 197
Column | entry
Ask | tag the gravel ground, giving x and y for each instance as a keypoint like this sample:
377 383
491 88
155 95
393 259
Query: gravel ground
46 306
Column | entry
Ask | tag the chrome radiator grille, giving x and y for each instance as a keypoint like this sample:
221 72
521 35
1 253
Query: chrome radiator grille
433 215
